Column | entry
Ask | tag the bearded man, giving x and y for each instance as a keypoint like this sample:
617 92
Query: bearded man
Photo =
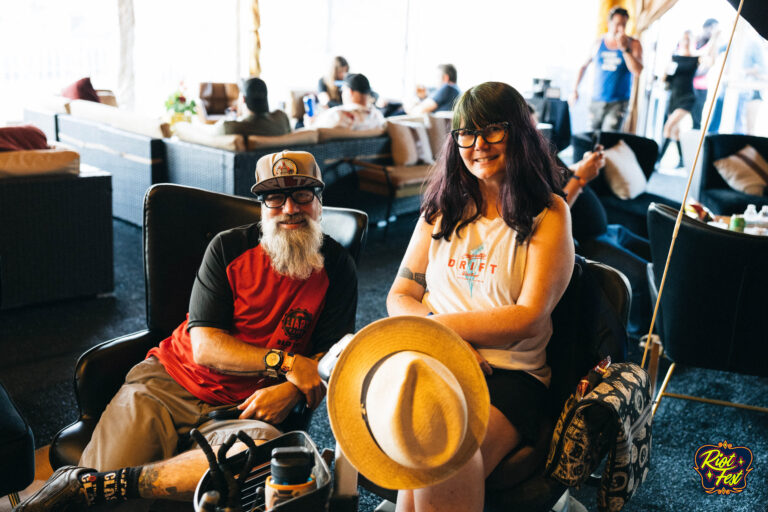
268 299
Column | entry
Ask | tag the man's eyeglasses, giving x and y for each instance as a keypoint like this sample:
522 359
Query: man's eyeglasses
298 196
492 134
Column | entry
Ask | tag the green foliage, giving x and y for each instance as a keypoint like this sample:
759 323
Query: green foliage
177 102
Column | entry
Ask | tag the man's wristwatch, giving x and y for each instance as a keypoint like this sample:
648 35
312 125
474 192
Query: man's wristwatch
277 363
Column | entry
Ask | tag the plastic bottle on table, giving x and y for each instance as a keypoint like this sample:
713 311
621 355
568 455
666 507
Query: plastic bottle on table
750 216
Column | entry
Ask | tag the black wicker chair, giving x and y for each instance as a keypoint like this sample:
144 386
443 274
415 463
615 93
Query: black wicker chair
627 212
714 192
55 237
178 224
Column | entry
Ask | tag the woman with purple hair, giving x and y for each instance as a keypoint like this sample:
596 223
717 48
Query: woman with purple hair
490 257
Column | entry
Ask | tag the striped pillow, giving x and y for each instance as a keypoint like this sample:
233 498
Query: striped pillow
745 171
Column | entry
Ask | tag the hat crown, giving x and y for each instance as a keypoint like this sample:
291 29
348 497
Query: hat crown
286 169
416 410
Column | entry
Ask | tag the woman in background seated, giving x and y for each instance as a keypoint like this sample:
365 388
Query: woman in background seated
612 244
490 258
259 120
329 86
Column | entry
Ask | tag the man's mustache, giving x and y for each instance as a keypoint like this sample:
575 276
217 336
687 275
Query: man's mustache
291 217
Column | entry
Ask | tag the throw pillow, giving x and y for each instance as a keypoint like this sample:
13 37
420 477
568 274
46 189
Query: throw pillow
16 138
326 134
300 137
410 143
81 90
745 171
623 173
438 128
202 135
39 161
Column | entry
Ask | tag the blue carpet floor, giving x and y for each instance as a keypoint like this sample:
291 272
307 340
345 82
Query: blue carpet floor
40 345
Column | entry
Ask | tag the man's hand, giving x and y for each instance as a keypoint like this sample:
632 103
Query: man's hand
624 41
304 376
270 404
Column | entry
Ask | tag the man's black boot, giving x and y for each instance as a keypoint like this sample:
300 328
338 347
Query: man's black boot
62 492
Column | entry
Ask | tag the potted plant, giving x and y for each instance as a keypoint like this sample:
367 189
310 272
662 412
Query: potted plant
179 107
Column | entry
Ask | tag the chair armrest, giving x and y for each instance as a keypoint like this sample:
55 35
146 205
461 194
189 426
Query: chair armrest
98 375
101 370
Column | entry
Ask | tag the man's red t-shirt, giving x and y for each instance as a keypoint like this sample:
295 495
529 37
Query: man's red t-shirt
237 290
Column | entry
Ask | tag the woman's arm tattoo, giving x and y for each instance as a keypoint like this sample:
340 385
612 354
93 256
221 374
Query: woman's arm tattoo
418 278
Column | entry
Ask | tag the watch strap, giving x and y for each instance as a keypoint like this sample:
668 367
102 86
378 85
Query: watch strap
287 365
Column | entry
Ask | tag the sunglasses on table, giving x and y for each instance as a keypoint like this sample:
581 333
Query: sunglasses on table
298 195
492 134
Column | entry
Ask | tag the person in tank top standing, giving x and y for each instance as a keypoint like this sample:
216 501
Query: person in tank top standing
617 57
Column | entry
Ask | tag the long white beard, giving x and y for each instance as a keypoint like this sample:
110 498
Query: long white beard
295 253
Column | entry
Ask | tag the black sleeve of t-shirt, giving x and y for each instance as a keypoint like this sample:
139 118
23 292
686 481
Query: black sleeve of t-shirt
211 303
321 87
338 315
443 95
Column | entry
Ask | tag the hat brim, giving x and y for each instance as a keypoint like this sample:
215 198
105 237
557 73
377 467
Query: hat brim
285 182
369 346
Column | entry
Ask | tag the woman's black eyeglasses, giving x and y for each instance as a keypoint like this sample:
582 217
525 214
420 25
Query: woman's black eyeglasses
298 195
492 134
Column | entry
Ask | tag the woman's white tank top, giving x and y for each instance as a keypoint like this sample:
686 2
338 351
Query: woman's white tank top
483 269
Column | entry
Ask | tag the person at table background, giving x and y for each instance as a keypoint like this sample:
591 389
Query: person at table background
356 113
258 120
617 57
490 257
612 244
682 99
329 86
445 95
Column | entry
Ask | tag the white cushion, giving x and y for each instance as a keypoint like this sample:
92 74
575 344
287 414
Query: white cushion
745 171
438 128
300 137
33 162
56 104
121 119
203 135
622 171
410 142
326 134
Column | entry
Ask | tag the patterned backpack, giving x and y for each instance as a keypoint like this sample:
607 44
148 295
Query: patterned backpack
614 418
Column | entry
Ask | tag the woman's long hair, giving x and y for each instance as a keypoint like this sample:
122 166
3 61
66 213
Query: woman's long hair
330 78
531 175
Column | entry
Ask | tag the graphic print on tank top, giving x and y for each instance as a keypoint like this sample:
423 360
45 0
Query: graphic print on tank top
473 267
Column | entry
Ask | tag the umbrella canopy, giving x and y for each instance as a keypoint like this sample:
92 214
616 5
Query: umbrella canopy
754 12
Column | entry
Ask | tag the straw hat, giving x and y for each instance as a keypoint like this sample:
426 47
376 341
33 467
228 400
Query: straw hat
408 403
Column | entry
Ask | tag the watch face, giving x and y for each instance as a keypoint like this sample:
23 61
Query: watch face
272 359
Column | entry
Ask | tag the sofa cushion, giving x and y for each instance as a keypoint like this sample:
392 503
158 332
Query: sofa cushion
15 138
745 171
81 90
326 134
300 137
129 121
632 214
56 104
438 128
203 135
623 173
406 180
32 162
410 142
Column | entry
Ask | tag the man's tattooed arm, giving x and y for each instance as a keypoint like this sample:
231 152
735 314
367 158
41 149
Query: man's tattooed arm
418 278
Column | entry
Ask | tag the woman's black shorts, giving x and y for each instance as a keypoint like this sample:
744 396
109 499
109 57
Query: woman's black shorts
521 398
